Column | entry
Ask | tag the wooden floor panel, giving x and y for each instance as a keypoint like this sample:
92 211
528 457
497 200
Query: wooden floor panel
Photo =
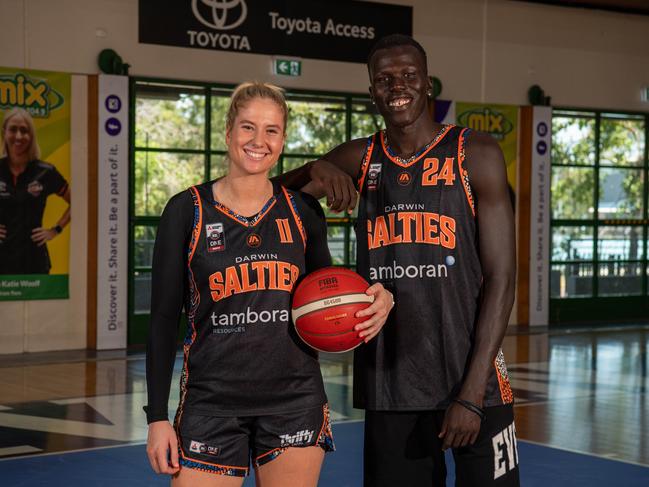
583 390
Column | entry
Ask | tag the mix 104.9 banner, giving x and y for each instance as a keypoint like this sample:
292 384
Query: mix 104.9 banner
34 184
339 30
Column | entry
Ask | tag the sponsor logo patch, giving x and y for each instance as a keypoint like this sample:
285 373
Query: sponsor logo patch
253 240
204 449
373 176
303 437
404 178
215 237
35 188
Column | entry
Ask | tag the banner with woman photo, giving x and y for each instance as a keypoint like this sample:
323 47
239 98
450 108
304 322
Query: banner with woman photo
34 184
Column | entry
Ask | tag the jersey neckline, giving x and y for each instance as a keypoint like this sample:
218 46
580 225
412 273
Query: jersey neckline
446 128
246 221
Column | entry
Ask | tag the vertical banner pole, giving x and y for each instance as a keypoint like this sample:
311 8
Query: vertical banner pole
112 212
540 217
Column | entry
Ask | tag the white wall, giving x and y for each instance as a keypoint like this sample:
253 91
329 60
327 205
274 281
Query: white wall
482 50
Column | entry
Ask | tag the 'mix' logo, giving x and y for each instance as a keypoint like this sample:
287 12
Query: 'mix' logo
220 14
31 94
486 120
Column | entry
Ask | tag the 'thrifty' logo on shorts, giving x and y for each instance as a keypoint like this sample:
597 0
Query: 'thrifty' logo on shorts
303 437
505 451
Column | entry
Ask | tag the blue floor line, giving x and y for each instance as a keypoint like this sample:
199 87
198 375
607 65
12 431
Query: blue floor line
128 466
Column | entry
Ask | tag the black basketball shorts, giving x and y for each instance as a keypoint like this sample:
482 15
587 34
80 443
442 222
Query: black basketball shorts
403 448
225 445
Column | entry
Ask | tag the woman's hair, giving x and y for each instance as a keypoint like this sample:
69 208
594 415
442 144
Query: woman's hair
34 150
249 91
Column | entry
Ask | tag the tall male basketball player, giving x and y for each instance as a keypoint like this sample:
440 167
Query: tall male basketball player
435 226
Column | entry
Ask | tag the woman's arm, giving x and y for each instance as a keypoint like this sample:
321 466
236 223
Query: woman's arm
41 235
168 283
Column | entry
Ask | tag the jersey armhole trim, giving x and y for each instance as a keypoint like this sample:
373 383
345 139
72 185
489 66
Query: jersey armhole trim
464 174
366 162
296 215
196 225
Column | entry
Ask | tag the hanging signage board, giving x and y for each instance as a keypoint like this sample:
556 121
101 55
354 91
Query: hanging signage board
337 30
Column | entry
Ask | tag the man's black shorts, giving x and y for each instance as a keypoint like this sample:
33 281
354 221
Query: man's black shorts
403 448
225 445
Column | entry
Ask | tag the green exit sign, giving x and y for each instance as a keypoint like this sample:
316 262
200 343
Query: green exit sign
287 67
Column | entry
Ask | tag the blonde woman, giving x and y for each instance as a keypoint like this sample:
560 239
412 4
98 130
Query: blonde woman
230 251
25 184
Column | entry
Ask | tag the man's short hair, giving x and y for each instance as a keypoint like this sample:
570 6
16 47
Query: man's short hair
396 40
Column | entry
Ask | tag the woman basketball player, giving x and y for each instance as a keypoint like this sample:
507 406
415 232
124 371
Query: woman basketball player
230 251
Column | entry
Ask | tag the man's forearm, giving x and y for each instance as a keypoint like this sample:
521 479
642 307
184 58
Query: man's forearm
295 179
491 326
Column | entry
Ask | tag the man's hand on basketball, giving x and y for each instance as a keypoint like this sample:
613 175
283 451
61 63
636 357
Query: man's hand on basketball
378 312
162 444
460 427
336 184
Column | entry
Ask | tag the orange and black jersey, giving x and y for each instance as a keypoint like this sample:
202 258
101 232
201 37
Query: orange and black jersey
234 276
417 235
22 204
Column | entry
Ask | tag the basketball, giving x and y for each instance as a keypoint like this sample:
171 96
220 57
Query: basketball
324 308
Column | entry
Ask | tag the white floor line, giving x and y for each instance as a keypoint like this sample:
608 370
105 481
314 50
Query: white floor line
17 450
596 455
80 450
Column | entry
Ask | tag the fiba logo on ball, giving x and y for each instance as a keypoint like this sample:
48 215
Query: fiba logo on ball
220 14
328 283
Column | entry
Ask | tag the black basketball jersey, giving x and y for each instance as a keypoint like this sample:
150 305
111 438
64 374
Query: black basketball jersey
242 356
416 234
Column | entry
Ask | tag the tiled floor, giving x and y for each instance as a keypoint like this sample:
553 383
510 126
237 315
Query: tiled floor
583 390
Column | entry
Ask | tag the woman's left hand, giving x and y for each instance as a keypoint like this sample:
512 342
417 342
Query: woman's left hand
378 312
41 235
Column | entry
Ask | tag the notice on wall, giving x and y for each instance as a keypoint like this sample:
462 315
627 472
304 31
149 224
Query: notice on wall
112 212
540 216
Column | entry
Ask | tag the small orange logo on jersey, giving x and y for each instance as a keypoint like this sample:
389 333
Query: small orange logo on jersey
253 240
404 178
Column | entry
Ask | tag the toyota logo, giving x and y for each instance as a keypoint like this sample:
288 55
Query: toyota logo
215 13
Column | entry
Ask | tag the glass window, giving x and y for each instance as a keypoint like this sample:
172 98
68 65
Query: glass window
316 124
572 243
571 280
620 243
366 120
160 175
336 240
620 193
219 110
573 140
141 292
622 142
619 278
572 193
169 118
144 238
598 195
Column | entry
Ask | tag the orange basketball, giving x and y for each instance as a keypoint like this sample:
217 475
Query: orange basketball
324 308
